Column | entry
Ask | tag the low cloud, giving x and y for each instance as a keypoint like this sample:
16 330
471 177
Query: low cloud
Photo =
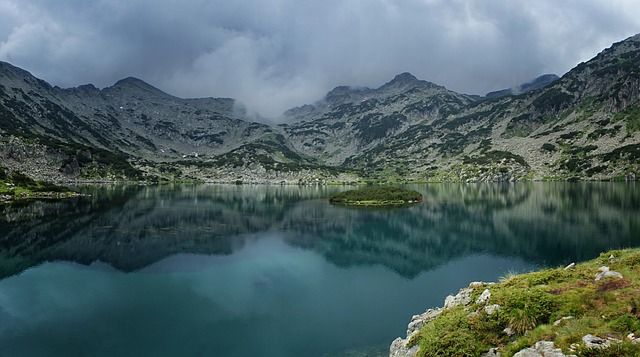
273 55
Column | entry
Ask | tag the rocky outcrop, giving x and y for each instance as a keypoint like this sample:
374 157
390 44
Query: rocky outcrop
542 349
407 347
549 291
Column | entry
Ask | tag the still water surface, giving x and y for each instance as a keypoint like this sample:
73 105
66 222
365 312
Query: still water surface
213 270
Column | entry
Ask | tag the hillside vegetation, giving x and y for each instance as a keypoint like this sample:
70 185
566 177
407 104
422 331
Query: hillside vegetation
588 309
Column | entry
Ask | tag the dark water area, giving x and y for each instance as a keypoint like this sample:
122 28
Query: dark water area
222 270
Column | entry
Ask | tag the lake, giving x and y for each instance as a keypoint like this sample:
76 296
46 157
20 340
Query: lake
223 270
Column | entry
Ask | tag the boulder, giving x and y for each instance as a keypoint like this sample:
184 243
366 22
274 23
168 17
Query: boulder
542 349
399 348
592 341
463 297
492 309
605 272
484 297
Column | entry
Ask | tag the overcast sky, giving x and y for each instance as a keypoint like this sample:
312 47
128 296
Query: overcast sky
276 54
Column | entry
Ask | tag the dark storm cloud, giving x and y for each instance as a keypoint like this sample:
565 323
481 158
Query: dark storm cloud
275 54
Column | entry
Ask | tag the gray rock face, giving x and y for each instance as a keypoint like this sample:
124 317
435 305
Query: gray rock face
542 349
492 353
463 297
592 341
406 128
417 321
399 348
492 309
484 297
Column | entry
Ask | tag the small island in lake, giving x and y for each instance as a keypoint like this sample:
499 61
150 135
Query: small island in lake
377 196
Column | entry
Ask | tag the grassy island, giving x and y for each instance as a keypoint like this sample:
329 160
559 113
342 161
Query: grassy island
377 196
570 307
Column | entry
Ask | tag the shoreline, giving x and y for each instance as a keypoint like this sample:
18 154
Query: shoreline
578 309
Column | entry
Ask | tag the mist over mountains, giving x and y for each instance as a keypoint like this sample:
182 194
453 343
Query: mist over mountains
583 126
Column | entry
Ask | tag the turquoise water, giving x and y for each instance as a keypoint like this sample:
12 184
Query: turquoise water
213 270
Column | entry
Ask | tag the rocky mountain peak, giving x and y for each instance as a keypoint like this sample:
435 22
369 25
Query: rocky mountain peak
87 88
345 92
583 125
6 68
404 78
540 82
21 77
137 85
405 81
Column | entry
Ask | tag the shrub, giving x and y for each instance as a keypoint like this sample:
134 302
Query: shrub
527 308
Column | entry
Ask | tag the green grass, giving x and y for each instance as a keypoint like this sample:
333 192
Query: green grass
377 196
19 185
530 303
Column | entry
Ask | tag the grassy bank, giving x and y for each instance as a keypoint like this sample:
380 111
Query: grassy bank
560 305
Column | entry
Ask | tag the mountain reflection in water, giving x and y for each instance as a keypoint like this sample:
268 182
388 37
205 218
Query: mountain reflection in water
132 227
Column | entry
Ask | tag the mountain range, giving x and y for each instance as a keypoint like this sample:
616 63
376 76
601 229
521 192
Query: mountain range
582 126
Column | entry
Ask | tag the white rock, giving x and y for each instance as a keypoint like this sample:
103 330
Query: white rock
570 266
592 341
528 352
491 353
492 309
484 297
509 331
463 297
633 338
542 349
399 348
417 321
605 272
558 322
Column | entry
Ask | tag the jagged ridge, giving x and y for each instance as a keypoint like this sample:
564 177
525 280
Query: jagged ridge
582 126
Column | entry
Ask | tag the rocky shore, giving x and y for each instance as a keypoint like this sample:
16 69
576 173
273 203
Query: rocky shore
569 311
40 196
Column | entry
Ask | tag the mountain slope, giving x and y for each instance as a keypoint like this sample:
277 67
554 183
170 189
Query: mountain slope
585 125
537 83
131 121
349 121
